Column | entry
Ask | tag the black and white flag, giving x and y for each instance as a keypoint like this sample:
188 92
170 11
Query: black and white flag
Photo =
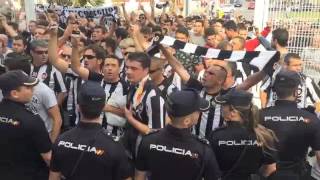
263 60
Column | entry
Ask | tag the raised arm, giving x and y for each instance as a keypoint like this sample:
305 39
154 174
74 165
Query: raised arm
176 65
10 31
111 30
152 4
125 14
58 63
134 31
75 60
148 17
252 80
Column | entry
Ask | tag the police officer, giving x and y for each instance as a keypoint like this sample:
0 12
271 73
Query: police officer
24 140
173 152
296 129
242 146
86 152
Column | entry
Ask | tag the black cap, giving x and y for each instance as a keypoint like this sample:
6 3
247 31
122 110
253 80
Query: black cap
14 57
185 102
91 93
12 80
287 79
235 97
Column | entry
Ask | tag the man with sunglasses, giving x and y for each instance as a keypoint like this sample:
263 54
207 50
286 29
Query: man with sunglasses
44 71
93 59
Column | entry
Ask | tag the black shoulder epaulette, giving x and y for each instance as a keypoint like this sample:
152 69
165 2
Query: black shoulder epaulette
152 131
108 134
203 140
219 129
32 110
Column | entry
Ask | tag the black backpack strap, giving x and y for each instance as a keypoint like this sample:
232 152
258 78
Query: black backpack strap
91 143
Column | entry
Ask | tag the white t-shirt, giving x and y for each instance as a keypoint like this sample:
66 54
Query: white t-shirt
42 100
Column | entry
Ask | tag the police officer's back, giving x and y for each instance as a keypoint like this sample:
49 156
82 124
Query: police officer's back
86 152
241 145
24 140
174 153
296 129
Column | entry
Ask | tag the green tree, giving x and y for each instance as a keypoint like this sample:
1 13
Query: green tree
78 2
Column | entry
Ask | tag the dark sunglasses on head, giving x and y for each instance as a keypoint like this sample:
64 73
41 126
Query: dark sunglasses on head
88 56
65 56
154 70
126 53
41 52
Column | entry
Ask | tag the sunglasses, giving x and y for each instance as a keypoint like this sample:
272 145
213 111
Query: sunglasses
88 56
65 56
41 52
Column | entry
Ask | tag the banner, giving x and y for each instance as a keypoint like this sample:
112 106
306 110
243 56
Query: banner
92 12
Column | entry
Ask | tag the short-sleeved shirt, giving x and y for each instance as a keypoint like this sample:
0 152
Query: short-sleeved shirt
170 84
50 76
90 154
173 153
94 76
229 142
150 110
296 129
23 137
308 92
42 100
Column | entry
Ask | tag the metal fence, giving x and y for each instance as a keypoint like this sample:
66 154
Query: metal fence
302 19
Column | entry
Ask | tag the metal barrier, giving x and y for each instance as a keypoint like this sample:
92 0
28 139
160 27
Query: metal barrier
302 19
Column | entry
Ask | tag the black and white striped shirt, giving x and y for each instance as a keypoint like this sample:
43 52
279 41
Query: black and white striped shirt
73 83
50 76
151 110
210 119
169 85
308 92
243 71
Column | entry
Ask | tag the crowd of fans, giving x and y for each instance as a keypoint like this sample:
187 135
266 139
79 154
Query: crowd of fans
65 55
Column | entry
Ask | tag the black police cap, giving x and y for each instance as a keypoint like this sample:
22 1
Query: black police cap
185 102
235 97
12 80
91 93
287 79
